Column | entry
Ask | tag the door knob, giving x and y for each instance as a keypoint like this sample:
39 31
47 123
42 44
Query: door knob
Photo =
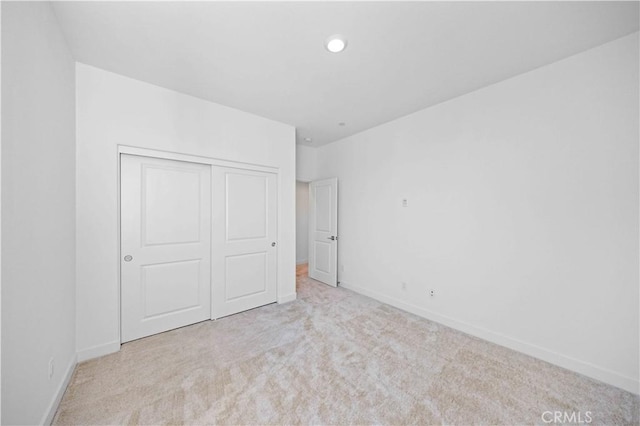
128 258
273 244
332 238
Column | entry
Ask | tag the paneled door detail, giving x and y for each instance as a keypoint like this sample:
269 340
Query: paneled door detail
165 245
245 244
323 231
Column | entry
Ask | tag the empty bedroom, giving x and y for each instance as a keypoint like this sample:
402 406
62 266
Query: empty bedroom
320 212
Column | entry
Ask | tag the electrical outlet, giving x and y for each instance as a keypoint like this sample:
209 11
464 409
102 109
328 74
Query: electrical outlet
432 292
51 366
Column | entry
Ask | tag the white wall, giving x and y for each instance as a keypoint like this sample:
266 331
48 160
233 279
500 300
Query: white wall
38 217
302 222
0 219
114 110
522 212
305 163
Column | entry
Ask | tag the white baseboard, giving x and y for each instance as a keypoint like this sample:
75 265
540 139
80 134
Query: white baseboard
288 298
602 374
53 407
99 350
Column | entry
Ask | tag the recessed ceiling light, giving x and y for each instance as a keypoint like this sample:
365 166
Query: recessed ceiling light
336 43
308 139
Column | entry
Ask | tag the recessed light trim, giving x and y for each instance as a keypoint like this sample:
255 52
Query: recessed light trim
308 140
336 43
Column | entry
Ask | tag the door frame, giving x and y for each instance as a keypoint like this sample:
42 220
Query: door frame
168 155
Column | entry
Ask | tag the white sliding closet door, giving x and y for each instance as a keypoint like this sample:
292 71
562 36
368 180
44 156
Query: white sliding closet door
244 240
165 245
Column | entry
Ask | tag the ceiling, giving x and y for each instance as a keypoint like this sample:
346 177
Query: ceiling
268 58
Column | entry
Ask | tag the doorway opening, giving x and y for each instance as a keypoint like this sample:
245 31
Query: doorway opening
317 230
302 229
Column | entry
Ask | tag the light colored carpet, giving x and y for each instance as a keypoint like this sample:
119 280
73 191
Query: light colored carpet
331 357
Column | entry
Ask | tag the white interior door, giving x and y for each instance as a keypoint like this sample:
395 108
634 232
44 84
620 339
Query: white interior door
323 231
165 245
245 246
